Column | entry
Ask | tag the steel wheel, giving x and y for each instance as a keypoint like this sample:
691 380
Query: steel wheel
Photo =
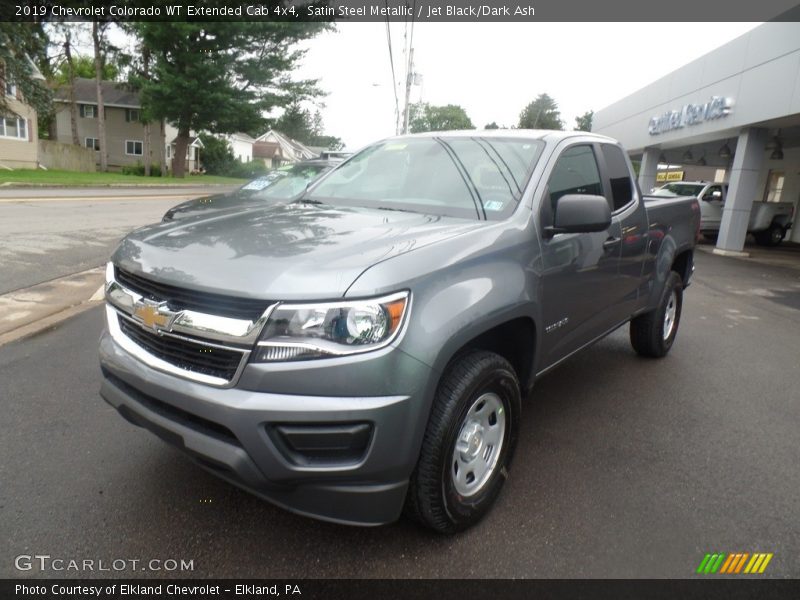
478 445
669 314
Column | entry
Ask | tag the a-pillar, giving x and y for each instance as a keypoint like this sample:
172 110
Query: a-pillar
747 164
648 169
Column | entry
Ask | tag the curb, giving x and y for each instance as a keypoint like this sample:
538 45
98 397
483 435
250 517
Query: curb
48 322
28 311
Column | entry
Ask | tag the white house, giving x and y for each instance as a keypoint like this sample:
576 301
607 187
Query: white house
241 145
276 149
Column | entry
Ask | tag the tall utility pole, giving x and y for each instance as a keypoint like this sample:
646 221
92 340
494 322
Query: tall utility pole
409 82
101 110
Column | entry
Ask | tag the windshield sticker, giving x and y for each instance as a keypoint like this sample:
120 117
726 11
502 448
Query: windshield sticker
257 184
493 205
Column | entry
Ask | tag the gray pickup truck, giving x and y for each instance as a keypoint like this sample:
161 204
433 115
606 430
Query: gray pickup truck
366 350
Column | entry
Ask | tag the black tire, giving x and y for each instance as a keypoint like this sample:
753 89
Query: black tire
772 236
647 330
432 498
711 236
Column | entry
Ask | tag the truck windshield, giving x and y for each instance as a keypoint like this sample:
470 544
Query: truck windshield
475 177
672 190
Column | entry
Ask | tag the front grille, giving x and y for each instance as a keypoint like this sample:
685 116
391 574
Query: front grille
179 298
197 358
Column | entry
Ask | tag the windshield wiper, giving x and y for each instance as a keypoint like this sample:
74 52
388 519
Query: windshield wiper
408 210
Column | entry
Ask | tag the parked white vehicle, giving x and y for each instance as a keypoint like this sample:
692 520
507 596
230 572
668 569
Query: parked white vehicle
769 221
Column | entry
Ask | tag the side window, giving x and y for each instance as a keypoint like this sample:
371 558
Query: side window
575 172
619 176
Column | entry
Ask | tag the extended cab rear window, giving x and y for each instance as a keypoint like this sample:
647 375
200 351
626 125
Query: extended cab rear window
471 177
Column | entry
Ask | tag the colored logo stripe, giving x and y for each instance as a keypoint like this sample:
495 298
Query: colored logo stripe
734 563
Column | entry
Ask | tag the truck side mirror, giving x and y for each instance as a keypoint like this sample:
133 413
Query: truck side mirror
580 213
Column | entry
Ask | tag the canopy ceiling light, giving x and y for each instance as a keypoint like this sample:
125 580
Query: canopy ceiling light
662 158
725 152
702 161
687 156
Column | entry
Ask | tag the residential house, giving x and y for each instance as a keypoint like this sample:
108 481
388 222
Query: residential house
19 147
125 132
276 149
241 145
192 156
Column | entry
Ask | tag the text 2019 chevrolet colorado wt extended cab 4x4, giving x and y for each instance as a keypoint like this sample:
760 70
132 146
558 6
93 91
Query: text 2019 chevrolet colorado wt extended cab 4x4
366 348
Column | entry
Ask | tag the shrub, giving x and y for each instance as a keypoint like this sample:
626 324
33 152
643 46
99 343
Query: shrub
248 170
138 169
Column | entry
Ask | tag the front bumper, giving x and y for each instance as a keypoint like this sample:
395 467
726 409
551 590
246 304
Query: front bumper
231 432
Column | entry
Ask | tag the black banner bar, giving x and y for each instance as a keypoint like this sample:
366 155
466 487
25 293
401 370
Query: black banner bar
395 10
371 589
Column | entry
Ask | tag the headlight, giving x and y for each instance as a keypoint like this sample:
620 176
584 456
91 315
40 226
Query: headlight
305 331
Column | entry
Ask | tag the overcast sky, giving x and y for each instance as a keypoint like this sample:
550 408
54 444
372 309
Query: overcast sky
494 70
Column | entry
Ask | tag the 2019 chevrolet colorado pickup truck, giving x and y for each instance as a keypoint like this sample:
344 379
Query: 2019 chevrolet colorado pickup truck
367 348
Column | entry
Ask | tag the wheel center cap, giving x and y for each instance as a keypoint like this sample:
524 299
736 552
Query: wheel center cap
472 440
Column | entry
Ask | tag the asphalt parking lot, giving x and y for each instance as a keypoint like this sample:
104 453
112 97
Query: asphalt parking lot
626 467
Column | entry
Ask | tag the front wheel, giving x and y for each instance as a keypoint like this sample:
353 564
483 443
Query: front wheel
653 333
468 443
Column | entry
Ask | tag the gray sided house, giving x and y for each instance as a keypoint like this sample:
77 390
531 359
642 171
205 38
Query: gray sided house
125 133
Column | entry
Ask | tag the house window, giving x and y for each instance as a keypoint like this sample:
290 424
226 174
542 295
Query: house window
13 127
11 89
169 151
131 114
774 186
133 147
88 111
93 143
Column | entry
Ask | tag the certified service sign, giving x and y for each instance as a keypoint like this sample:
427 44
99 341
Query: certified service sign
691 114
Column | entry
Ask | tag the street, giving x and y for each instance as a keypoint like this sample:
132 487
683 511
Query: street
626 467
75 229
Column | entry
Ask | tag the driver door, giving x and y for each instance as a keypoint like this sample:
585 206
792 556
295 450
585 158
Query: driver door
712 203
580 273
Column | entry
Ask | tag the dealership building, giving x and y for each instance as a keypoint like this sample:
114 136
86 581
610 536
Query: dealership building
732 115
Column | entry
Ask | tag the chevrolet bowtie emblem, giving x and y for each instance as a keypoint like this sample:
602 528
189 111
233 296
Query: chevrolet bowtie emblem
155 316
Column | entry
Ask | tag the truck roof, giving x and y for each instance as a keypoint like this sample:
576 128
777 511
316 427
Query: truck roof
542 134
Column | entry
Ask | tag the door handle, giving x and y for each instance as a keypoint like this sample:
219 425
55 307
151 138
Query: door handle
611 242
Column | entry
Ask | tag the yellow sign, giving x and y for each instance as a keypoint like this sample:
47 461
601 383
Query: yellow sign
669 176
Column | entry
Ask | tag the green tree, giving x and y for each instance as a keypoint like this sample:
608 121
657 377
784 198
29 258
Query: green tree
542 113
22 48
221 76
295 122
584 122
218 159
425 117
84 67
492 125
299 124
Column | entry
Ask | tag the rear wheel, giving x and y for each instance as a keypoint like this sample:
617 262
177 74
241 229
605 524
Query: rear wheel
468 443
772 236
653 333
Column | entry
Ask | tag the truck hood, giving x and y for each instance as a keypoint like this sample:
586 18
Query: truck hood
284 252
